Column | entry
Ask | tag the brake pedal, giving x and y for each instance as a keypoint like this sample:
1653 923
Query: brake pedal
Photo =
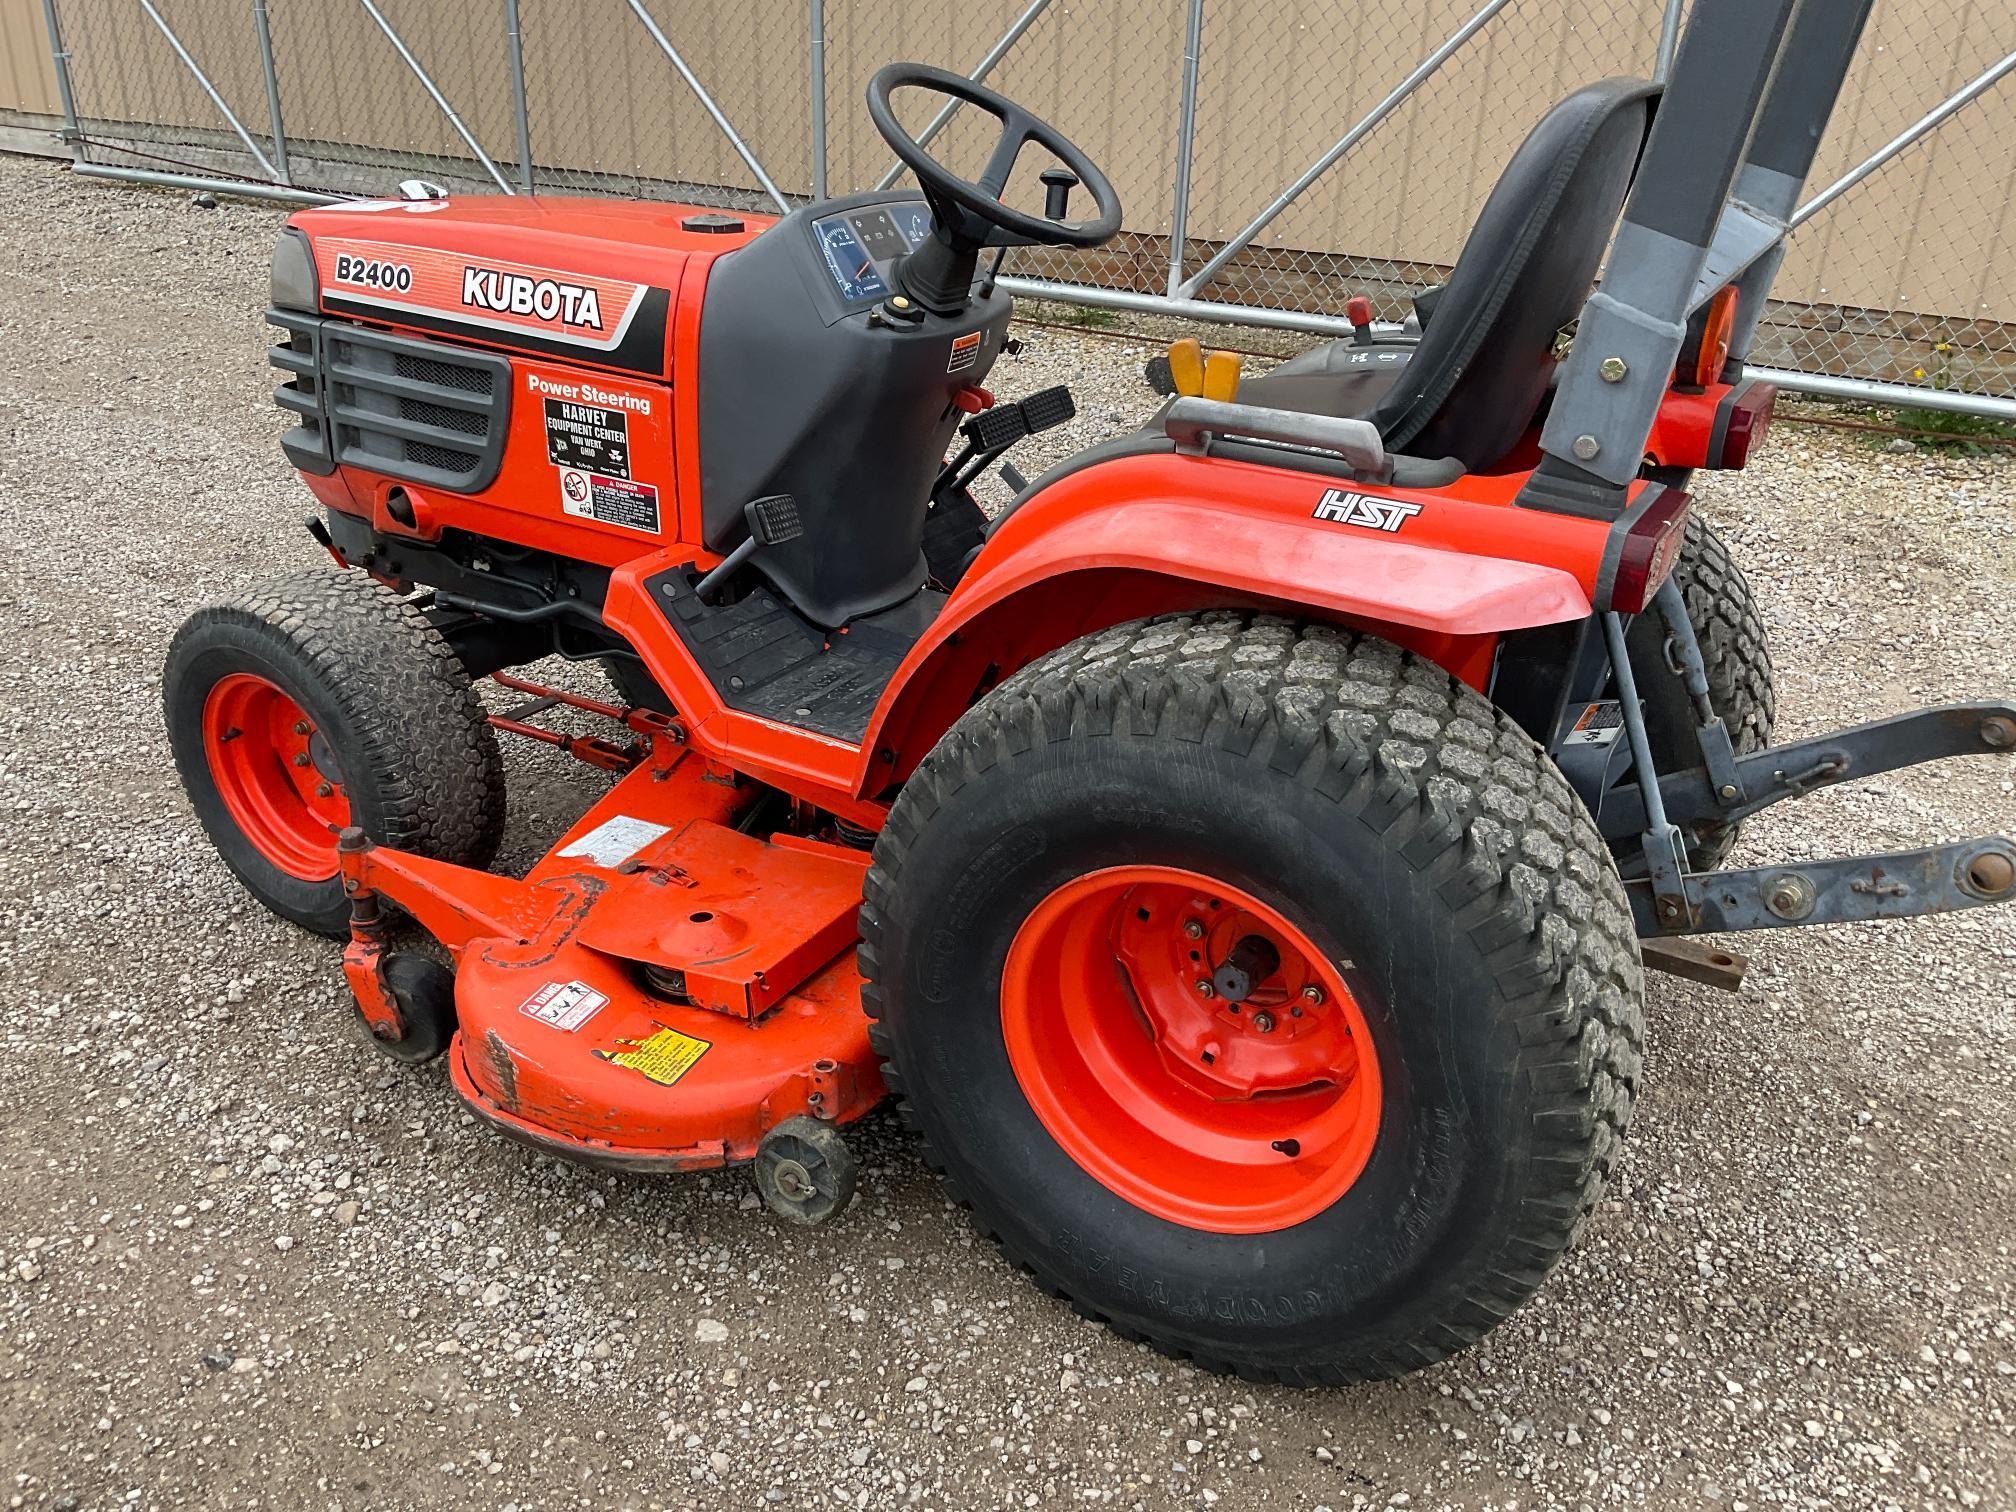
1048 407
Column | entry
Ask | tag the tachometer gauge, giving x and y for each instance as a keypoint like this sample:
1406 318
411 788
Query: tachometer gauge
852 269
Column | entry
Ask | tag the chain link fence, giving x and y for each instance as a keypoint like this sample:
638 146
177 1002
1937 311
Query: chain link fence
1276 156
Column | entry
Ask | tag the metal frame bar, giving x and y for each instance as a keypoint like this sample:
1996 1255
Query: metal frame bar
441 100
817 20
986 66
1935 117
210 89
1186 140
707 103
262 26
1669 39
514 41
246 188
59 56
1422 71
1681 237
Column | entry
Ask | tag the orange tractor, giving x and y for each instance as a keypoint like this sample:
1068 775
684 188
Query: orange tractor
1236 856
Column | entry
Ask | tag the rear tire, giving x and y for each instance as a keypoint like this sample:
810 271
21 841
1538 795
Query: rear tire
328 680
1354 801
1741 688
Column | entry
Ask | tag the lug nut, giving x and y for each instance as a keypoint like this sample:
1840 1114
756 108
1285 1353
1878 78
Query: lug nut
1312 994
1204 987
1992 873
300 727
1264 1021
1193 930
301 758
323 790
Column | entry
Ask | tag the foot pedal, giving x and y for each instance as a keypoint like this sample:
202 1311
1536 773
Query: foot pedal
996 429
1047 408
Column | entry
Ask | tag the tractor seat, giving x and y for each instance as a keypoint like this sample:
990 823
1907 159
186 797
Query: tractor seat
1472 385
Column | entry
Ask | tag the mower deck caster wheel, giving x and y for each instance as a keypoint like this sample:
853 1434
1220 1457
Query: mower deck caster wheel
804 1171
424 993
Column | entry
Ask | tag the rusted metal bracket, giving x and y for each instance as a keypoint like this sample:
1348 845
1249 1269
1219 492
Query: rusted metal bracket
1792 771
1708 964
1901 885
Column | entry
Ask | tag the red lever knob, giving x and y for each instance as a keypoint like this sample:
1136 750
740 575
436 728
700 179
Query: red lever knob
973 399
1358 310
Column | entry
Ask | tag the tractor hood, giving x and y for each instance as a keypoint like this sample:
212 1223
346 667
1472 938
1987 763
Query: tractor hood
584 280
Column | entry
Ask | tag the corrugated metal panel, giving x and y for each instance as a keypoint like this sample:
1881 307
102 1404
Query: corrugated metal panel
27 76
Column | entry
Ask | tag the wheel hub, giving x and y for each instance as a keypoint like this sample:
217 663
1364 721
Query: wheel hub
276 775
1240 1112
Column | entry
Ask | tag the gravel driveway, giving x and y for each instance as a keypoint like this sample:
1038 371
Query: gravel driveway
249 1263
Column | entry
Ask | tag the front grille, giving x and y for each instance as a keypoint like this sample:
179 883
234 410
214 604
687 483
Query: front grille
443 374
412 409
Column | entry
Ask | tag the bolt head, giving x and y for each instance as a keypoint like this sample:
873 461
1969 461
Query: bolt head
1998 732
1586 447
1613 369
1728 790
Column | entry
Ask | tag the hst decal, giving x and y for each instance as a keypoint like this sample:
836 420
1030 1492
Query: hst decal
451 289
1341 508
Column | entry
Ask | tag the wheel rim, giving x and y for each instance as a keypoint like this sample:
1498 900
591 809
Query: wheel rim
1235 1117
275 774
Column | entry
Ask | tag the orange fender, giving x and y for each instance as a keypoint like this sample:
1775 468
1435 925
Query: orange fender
1445 572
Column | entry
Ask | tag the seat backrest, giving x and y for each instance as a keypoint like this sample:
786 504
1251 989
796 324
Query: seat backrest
1487 355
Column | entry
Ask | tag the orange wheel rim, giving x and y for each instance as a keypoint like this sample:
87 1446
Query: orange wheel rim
1234 1115
275 774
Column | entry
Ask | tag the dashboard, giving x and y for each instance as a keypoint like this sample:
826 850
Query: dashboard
860 245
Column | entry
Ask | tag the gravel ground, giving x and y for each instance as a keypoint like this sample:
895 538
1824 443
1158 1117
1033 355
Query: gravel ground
248 1263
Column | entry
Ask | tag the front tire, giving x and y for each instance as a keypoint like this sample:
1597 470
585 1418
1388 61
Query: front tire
319 701
1400 849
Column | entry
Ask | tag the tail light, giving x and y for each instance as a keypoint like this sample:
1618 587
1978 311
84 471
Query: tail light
1653 532
1744 421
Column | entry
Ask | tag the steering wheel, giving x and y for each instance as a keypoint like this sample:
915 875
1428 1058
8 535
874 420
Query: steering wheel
970 214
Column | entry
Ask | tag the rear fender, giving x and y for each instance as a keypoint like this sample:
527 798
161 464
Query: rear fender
1444 572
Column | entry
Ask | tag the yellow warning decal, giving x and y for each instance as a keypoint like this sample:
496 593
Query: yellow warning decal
664 1057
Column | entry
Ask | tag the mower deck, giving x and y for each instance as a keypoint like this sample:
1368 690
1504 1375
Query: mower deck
660 990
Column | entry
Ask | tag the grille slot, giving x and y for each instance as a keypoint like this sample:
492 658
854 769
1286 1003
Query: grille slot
416 410
299 355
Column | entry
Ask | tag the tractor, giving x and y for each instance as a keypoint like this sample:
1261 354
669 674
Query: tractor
1238 857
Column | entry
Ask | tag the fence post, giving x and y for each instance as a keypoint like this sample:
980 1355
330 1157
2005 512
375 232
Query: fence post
1669 39
514 36
73 134
818 20
433 92
1186 136
278 127
209 89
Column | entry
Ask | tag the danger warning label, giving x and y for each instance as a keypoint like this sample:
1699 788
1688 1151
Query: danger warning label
588 437
613 501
